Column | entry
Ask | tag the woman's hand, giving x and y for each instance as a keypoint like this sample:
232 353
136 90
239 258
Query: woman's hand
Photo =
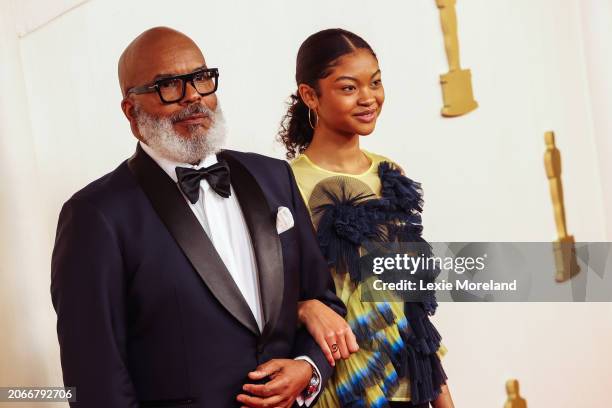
331 332
444 400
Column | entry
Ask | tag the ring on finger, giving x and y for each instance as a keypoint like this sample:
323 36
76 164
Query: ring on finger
334 348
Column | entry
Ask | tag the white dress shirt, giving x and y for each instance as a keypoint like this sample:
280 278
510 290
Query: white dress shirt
224 223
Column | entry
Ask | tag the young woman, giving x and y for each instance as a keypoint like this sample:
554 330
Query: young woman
355 196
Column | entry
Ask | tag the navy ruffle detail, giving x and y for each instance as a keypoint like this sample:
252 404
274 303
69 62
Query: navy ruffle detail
420 360
405 204
345 222
403 192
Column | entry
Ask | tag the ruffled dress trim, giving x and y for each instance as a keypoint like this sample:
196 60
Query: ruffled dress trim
396 340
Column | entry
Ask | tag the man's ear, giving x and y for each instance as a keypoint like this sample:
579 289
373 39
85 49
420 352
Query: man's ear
127 106
309 96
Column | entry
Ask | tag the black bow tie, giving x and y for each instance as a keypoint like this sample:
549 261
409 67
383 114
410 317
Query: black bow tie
217 176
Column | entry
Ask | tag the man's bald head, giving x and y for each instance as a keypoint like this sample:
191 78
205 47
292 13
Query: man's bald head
159 50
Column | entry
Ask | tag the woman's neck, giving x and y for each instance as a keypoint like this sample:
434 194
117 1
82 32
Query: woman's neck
336 152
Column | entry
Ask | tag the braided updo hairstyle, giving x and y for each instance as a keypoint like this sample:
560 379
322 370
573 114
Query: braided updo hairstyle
316 57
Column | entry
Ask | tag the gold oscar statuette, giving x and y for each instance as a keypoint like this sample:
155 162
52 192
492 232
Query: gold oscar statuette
514 398
457 83
564 248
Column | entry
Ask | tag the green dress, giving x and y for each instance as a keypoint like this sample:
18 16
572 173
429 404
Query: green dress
372 376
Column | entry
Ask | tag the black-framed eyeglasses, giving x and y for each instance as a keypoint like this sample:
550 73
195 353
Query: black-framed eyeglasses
172 89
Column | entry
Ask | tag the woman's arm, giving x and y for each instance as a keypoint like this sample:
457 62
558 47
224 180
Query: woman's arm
331 332
444 400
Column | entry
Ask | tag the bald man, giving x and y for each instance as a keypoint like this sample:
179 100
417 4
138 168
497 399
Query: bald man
176 277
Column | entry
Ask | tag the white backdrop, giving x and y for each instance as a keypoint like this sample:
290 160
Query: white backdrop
536 65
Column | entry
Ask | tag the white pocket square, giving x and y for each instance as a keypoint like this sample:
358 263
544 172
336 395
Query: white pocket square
284 220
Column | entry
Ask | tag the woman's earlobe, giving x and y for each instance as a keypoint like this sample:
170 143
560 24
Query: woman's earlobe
308 95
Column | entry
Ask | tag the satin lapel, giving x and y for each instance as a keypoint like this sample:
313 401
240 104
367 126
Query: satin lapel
261 221
183 225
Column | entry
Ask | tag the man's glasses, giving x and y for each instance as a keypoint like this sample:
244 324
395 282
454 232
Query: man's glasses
172 89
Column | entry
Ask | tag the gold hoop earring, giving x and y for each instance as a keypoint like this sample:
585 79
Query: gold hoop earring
310 119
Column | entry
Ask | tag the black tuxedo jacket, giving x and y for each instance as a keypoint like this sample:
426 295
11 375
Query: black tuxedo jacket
148 314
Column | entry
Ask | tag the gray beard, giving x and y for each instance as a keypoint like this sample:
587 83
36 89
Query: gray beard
159 134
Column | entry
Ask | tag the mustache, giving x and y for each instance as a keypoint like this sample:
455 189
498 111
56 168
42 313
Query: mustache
191 110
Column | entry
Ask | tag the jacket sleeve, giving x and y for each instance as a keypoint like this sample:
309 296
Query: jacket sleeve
315 280
88 291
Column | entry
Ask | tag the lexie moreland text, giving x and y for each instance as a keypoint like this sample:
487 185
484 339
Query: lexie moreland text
465 284
412 264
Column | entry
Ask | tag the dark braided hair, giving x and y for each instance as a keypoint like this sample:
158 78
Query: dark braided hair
316 57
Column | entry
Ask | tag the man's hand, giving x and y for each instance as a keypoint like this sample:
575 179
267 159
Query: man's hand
288 378
331 332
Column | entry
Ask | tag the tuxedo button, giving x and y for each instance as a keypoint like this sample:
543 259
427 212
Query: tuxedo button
260 348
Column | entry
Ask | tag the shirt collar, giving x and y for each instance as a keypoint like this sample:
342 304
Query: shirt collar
169 166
